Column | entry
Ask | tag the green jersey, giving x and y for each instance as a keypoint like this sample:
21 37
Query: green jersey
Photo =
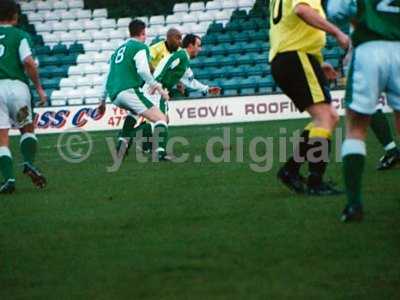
127 67
374 19
15 47
171 69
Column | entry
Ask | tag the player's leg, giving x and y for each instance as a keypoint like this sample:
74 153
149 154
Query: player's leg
300 76
28 147
288 74
354 153
160 132
325 119
6 161
21 113
135 101
381 128
6 164
367 79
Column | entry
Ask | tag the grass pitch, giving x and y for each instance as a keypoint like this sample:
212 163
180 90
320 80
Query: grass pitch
194 230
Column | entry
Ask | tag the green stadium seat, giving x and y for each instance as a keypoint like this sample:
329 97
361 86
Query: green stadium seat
234 71
239 15
228 37
67 59
42 50
213 61
197 62
37 40
233 83
257 46
251 82
246 59
234 26
48 60
201 73
266 82
221 49
265 90
259 70
250 25
238 48
231 92
261 58
76 48
60 49
261 35
243 36
215 28
247 91
52 83
258 13
230 60
210 39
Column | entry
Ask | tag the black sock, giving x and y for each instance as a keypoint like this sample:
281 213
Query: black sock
294 163
318 160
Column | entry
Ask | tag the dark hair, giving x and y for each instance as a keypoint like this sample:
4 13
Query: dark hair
8 9
136 27
190 39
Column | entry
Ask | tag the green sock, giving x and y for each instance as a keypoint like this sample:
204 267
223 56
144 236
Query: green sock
6 163
147 134
128 129
381 128
354 153
161 136
28 147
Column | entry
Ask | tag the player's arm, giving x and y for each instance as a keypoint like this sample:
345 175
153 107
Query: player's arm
310 16
342 10
143 69
25 54
189 81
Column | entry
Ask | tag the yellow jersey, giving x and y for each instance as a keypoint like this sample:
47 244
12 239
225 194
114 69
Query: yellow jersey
288 32
157 53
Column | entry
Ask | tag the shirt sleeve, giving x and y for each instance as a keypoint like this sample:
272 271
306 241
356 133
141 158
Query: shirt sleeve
24 50
189 81
342 10
142 66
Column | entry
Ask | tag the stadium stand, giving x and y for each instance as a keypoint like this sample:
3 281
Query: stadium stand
74 40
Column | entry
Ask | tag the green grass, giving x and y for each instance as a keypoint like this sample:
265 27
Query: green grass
194 231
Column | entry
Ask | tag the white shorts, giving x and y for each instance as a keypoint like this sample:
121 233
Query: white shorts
15 104
134 101
375 69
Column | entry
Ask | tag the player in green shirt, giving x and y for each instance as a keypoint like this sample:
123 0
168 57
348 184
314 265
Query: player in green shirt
172 70
375 68
128 75
16 66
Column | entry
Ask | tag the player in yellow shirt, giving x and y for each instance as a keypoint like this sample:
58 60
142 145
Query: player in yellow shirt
164 48
297 36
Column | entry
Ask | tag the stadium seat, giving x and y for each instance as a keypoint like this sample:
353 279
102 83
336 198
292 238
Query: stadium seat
60 5
215 28
181 7
197 6
76 48
42 50
123 22
69 82
59 49
229 4
99 13
213 5
157 20
247 91
108 24
75 4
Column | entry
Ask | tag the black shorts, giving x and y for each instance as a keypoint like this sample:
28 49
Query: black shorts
301 78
